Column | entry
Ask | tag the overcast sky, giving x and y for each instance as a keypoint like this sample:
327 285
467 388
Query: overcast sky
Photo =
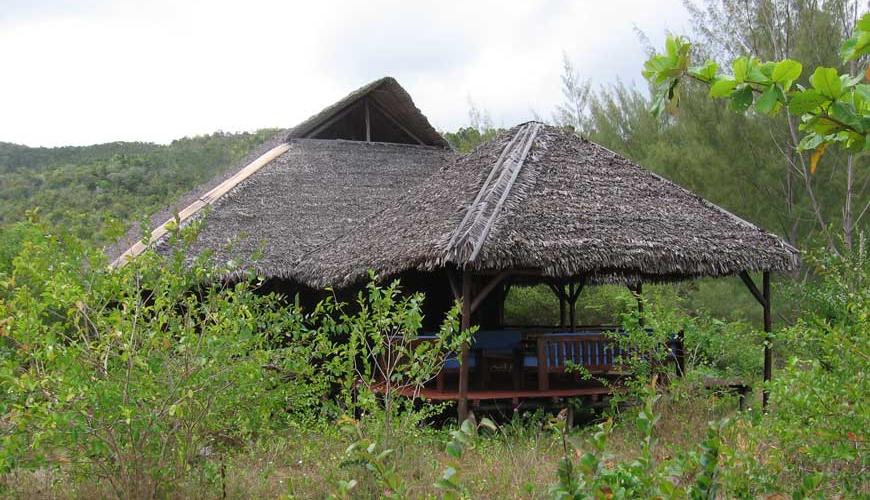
78 72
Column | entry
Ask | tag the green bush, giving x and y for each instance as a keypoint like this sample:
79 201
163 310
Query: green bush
820 403
140 375
133 375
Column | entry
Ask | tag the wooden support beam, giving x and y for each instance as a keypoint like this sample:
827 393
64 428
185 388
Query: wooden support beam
396 122
580 285
759 296
763 298
485 291
637 290
462 405
558 290
572 311
574 293
368 121
454 286
768 326
555 290
338 116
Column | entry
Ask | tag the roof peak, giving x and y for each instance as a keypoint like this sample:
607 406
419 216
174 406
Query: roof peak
380 111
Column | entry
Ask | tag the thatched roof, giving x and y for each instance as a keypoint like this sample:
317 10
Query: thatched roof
389 98
541 198
299 189
308 196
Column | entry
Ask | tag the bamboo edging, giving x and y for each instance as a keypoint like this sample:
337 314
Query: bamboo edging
205 200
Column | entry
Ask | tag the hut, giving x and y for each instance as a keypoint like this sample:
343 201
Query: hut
368 184
541 204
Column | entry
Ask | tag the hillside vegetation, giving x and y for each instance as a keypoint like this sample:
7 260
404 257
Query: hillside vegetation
93 189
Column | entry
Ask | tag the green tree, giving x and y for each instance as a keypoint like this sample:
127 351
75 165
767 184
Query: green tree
832 108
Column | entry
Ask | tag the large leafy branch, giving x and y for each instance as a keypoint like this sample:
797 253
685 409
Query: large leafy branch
833 110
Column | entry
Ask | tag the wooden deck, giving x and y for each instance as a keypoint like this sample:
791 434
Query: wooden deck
511 394
481 395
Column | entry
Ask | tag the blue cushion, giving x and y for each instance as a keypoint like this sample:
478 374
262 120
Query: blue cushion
497 340
452 363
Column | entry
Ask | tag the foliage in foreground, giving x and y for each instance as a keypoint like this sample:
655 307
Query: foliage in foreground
834 110
146 380
141 375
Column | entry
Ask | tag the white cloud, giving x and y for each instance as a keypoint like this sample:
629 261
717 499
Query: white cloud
94 71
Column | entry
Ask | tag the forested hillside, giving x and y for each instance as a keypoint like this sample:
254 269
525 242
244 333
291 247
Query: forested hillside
94 189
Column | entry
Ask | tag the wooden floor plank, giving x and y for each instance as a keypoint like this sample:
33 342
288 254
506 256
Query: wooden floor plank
479 395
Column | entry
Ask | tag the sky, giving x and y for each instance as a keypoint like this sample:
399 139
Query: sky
78 72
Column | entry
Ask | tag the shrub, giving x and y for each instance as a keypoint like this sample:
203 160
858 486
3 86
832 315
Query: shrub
136 374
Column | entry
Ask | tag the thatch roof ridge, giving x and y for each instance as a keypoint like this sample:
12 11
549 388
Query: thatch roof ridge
575 208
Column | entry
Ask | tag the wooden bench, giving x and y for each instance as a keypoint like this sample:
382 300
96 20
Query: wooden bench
556 352
592 349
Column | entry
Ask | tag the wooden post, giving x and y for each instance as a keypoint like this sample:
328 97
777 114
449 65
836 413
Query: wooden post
572 310
763 298
768 326
562 304
368 122
502 295
680 353
463 359
543 377
638 293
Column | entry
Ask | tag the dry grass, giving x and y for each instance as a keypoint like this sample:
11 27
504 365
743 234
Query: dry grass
518 462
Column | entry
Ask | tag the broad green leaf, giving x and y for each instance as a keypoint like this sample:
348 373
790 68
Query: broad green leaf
467 427
827 82
741 99
757 72
786 71
823 126
810 142
859 44
805 102
842 113
707 72
769 100
767 69
741 68
722 87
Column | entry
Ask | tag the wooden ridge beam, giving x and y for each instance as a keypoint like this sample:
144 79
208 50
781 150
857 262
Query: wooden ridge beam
205 200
